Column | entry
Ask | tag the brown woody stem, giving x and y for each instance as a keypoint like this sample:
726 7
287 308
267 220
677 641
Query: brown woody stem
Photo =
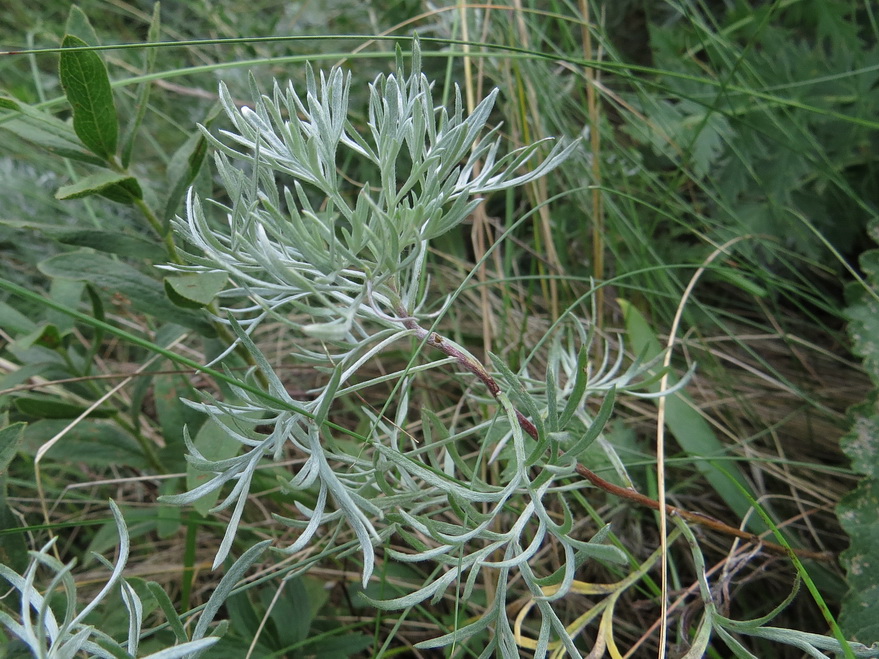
469 363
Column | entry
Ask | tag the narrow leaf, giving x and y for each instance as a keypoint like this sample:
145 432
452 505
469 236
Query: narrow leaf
168 609
227 583
691 431
185 165
115 187
143 90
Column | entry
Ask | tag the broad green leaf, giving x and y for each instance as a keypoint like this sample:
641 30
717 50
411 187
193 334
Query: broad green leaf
293 612
120 188
113 242
146 295
78 25
347 645
95 443
198 289
87 86
10 438
14 322
45 131
173 416
214 444
169 518
46 335
44 407
690 430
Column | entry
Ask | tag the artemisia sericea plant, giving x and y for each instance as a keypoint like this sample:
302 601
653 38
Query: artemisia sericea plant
345 268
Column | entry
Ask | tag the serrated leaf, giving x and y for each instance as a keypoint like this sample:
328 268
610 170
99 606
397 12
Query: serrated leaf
144 294
120 188
858 514
858 511
199 288
45 131
87 86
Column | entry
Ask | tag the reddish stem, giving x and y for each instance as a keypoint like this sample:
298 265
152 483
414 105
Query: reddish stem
469 363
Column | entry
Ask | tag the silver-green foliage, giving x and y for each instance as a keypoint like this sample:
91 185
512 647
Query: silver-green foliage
347 266
51 626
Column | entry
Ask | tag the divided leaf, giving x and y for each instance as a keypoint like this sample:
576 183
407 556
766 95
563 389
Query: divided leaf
859 510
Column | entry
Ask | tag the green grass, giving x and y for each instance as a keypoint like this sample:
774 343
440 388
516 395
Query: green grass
701 126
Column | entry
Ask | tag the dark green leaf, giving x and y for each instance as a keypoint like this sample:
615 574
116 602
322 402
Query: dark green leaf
87 86
185 165
597 426
146 295
13 548
116 187
339 647
44 407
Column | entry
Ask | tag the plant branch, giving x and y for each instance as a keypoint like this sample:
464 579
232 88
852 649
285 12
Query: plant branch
470 363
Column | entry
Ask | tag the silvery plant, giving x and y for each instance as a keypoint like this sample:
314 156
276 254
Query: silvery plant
345 269
51 624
